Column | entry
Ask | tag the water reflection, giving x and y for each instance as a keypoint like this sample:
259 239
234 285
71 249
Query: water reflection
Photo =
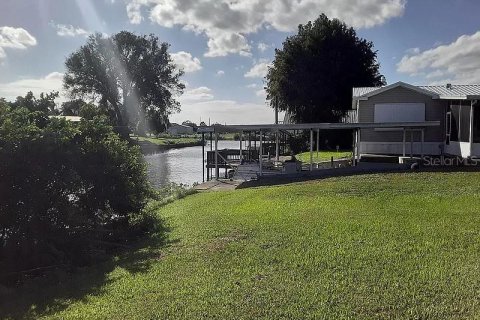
180 165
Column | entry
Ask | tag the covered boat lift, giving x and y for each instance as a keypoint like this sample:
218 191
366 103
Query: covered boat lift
312 127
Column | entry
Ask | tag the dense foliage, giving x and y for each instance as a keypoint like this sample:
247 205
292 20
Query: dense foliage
131 77
312 76
67 190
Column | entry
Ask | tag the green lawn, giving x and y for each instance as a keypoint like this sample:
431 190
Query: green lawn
170 140
393 246
323 155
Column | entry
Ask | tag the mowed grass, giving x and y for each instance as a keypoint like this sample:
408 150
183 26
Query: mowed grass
323 155
393 246
169 140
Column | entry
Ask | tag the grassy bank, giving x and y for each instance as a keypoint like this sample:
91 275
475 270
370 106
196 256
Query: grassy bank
171 140
323 155
364 247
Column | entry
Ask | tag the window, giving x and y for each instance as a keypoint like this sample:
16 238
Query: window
476 122
399 112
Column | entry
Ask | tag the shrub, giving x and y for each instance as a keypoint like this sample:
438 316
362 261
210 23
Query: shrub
66 190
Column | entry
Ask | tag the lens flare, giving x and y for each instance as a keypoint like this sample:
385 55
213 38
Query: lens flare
130 99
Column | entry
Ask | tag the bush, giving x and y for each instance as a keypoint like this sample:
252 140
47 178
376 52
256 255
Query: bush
67 190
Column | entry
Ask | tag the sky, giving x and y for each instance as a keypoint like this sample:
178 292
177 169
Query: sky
226 46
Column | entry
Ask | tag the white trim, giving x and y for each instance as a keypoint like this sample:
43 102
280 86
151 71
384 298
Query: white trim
396 148
396 85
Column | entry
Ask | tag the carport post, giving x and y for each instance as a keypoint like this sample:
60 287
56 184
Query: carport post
404 141
318 141
216 156
260 154
358 146
472 113
411 144
423 142
311 149
277 145
241 150
203 156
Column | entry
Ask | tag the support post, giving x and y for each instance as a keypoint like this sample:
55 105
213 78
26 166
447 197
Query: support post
318 142
311 149
203 156
216 156
211 142
411 144
260 154
404 152
471 127
358 145
241 150
354 147
422 143
277 146
249 146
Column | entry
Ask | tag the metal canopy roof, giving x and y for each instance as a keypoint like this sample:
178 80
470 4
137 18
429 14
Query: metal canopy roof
323 126
462 92
471 91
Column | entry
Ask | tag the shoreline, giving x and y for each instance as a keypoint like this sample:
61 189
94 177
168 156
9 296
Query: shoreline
148 147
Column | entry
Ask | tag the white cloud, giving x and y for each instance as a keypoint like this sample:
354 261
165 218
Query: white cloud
186 62
15 38
252 85
261 93
259 70
224 43
226 111
262 47
456 62
196 94
220 73
69 31
51 82
412 51
226 23
134 11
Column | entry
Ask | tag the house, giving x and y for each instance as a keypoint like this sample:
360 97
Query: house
179 129
457 107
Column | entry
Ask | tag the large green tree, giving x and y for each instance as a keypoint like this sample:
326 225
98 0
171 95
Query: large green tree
132 77
312 76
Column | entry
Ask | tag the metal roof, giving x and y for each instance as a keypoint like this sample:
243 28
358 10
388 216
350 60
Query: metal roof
454 90
469 91
358 92
323 126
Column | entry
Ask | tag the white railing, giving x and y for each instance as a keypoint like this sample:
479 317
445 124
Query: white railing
350 117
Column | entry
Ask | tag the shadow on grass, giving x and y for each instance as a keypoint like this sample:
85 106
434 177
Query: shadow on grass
55 291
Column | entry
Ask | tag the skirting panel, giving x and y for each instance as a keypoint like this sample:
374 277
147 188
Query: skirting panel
396 148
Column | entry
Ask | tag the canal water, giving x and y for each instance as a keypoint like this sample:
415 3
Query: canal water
182 165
